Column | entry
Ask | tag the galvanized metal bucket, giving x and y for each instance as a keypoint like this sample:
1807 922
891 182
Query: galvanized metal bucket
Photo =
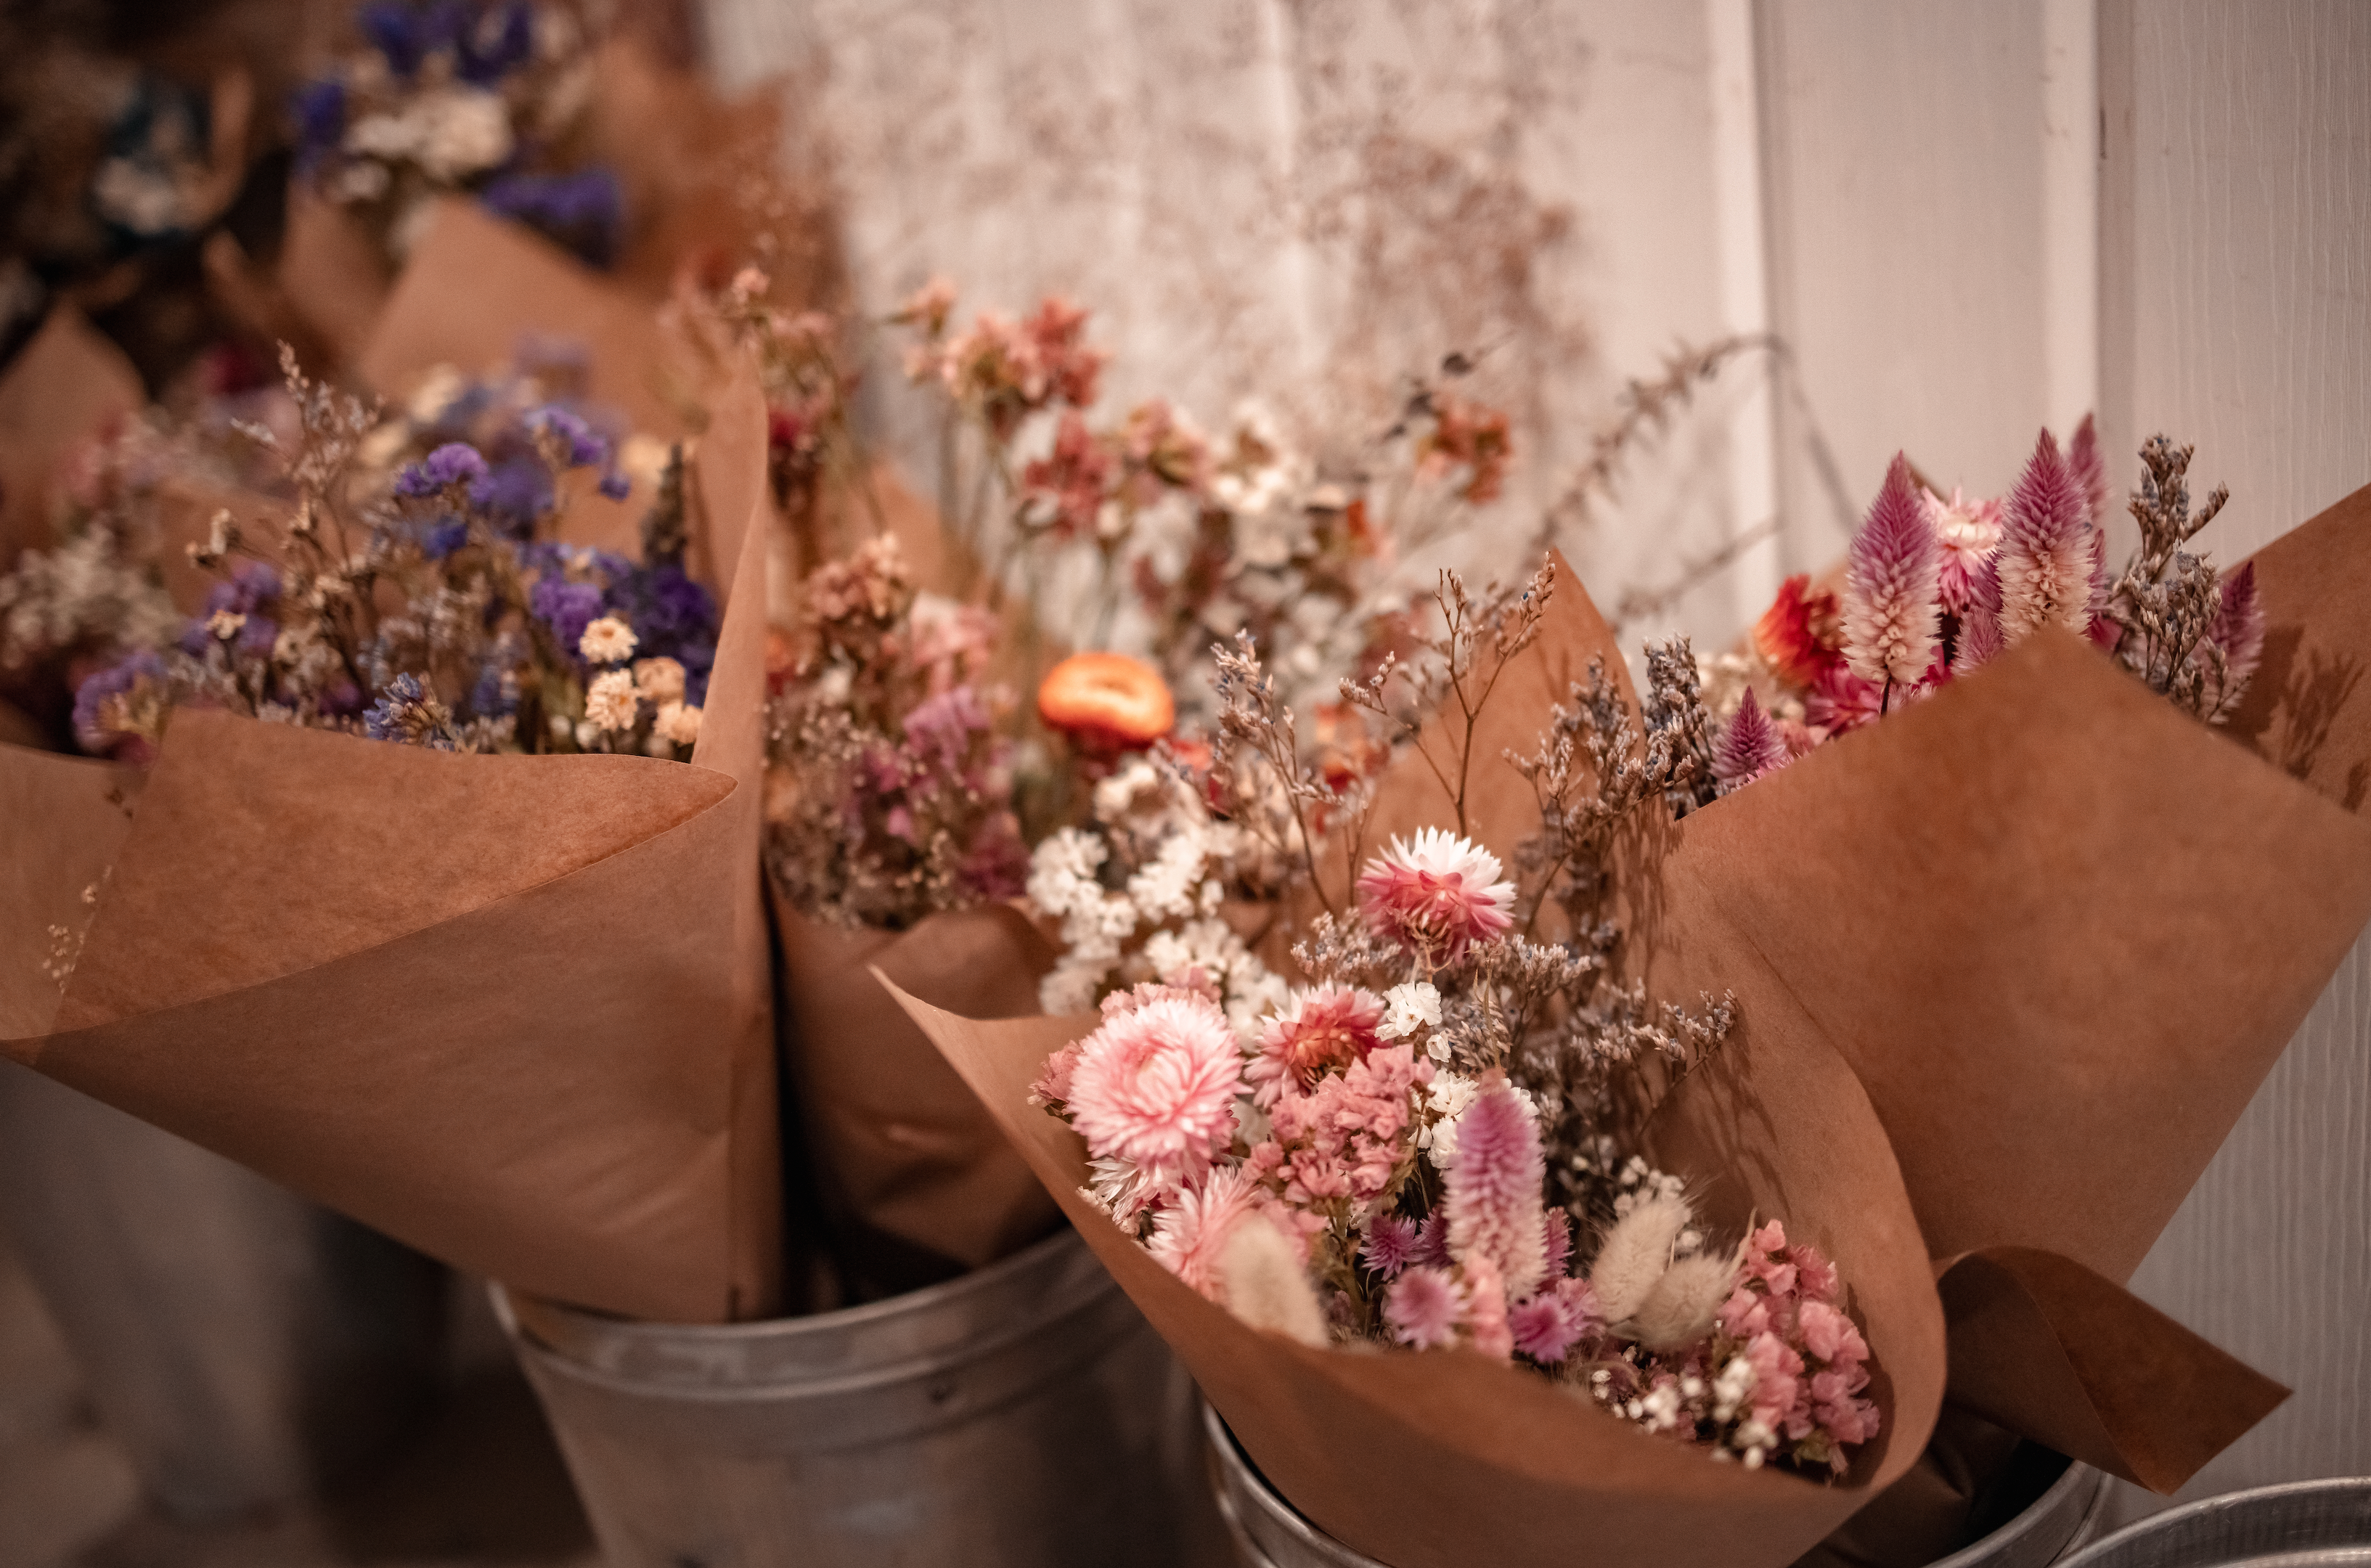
1024 1415
2305 1524
243 1344
1269 1534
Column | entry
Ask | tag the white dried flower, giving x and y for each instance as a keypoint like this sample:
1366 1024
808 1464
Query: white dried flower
611 702
461 131
676 721
1409 1008
225 624
1680 1307
1636 1252
606 640
660 681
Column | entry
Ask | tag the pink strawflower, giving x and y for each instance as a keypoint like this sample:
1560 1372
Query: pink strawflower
1546 1327
1321 1029
2047 559
1842 702
1156 1087
1135 997
2239 631
1798 635
1486 1308
1891 618
1423 1308
1493 1184
1749 747
1435 892
1966 533
1188 1236
1391 1244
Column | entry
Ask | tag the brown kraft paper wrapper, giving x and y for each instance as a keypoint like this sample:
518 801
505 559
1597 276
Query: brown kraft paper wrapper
918 1181
65 386
1444 1458
513 1010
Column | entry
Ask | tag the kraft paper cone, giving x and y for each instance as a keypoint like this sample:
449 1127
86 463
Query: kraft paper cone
1445 1458
331 274
901 1147
513 1010
2112 1381
66 387
2306 711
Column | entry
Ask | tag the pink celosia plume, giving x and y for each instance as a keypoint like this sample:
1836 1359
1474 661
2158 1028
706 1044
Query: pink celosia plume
1156 1087
1979 629
1892 616
1494 1183
1966 533
2239 632
2089 468
1437 894
1486 1308
1749 747
2047 558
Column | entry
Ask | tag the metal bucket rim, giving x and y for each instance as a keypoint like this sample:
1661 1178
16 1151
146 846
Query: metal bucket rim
2077 1475
2173 1520
892 1373
982 1278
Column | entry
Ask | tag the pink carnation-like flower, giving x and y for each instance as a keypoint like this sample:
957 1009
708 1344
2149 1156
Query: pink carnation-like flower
1435 892
1188 1236
1321 1029
1156 1087
1423 1308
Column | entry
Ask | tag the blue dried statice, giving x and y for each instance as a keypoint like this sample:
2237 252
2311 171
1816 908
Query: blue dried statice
410 713
567 608
502 41
321 114
585 212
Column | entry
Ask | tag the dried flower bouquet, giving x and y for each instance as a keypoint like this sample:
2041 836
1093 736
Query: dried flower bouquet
302 947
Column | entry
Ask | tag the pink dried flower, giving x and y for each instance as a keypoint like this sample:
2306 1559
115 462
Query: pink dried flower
1749 747
1053 1084
1966 533
1555 1241
2088 469
2239 631
1135 997
1423 1308
2046 553
1842 702
1891 611
1432 1241
1322 1028
1798 635
1546 1327
1435 892
1979 630
1056 334
1188 1237
1067 486
1342 1141
1390 1245
1486 1308
1156 1087
1493 1184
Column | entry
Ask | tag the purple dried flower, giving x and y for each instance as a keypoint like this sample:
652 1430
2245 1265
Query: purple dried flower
1892 613
1390 1242
98 710
411 714
454 462
566 607
503 41
579 445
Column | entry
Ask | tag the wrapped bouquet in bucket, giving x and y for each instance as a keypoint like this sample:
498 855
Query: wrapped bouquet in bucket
1674 1092
409 737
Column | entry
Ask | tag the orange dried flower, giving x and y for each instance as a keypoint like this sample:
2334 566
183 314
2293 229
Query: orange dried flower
1800 635
1106 702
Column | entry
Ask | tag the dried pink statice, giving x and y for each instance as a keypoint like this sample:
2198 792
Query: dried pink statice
1749 747
1891 618
1494 1187
1156 1087
1321 1029
2047 548
1190 1235
1437 894
1340 1144
1967 531
1423 1308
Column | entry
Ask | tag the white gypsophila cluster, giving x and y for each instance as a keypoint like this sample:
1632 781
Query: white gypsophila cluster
80 591
1642 1184
1247 990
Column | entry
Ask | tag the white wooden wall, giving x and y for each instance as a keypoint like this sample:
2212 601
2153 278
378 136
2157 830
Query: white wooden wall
1969 217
